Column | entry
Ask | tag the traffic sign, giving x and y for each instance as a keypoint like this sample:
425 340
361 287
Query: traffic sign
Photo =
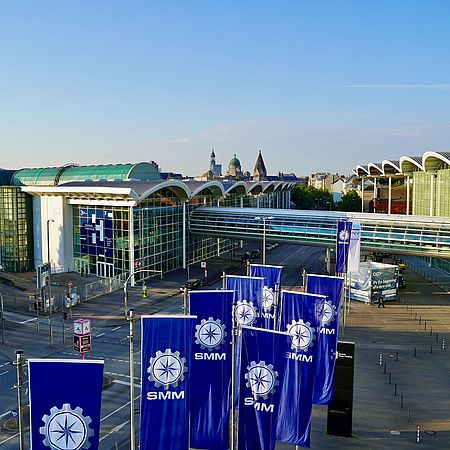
82 344
203 264
81 327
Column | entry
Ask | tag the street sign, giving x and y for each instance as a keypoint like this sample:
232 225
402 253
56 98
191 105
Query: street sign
203 264
14 413
81 327
82 344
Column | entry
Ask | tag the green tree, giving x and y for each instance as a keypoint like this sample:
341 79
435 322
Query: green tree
350 202
308 197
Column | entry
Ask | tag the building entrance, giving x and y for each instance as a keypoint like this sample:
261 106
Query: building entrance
105 270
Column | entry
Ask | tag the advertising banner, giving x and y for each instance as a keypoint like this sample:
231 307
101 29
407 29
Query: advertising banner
211 369
354 249
166 369
344 230
262 371
331 287
96 232
300 318
384 281
66 415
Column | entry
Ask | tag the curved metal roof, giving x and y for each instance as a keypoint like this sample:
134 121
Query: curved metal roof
198 187
390 167
361 171
375 169
41 176
435 160
240 187
254 187
410 163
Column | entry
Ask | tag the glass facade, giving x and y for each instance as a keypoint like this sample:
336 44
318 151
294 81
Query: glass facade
422 193
443 193
16 230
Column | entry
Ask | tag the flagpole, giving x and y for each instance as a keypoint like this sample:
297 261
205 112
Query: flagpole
131 337
233 380
248 268
19 367
185 301
224 280
275 304
304 274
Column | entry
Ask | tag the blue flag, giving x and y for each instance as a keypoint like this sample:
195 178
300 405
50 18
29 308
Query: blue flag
272 281
211 369
66 415
328 335
261 375
247 299
344 230
300 314
166 364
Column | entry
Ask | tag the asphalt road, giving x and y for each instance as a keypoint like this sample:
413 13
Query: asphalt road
110 340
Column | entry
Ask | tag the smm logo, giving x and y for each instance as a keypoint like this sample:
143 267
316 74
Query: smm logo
344 236
268 298
210 334
245 312
325 312
167 369
261 379
302 335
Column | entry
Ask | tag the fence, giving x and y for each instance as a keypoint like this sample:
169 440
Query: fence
437 276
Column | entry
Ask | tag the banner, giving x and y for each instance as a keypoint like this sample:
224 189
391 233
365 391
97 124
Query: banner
344 230
300 318
261 375
211 369
65 414
354 248
272 278
166 367
332 287
247 299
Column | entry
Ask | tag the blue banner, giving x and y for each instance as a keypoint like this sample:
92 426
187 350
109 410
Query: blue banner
328 335
166 366
211 369
272 282
247 299
66 415
261 375
300 315
96 232
343 234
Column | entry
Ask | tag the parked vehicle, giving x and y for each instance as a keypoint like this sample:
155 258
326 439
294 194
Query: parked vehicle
400 264
192 284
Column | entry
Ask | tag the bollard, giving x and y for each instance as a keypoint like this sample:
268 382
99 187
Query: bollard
431 331
443 344
418 435
420 320
425 325
390 377
395 389
437 337
409 415
431 349
384 371
396 356
401 401
381 359
415 352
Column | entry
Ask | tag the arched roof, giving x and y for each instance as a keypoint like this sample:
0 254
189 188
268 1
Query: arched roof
361 171
435 160
278 185
238 187
198 187
254 187
267 186
410 163
177 187
41 176
375 169
390 167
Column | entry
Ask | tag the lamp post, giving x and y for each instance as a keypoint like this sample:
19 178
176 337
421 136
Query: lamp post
49 283
264 219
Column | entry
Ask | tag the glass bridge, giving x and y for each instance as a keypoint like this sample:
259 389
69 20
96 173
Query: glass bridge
408 235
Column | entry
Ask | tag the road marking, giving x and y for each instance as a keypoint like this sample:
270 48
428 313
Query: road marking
26 321
114 430
435 293
117 328
4 373
8 439
100 335
5 414
117 410
4 364
126 383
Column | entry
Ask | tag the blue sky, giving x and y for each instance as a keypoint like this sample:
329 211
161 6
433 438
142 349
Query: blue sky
317 85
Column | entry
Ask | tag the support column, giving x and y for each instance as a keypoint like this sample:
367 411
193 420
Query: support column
131 243
390 196
184 235
375 195
242 201
289 199
407 194
362 194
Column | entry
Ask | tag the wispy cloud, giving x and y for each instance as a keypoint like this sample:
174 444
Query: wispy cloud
438 87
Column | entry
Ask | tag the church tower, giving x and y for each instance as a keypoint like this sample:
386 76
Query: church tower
259 172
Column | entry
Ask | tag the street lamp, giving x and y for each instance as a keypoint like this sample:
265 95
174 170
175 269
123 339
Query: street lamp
263 219
49 282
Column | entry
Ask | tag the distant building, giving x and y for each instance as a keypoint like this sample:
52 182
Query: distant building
234 168
215 169
322 180
260 171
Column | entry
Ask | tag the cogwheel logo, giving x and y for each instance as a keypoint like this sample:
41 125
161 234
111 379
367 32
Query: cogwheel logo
66 429
210 333
261 379
302 335
325 312
167 369
268 298
245 312
344 236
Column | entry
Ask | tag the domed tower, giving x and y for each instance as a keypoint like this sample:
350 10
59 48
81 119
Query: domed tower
234 168
259 172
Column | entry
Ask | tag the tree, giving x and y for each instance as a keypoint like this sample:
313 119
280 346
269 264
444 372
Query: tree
350 202
308 197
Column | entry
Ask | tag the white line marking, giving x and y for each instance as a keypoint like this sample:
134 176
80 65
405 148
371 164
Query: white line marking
117 410
4 373
117 328
100 335
4 364
8 439
114 430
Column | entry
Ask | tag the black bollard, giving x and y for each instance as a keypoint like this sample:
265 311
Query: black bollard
396 356
415 352
390 377
425 325
384 371
431 349
420 320
409 415
431 331
401 401
395 389
437 337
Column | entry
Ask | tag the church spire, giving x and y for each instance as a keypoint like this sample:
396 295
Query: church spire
259 172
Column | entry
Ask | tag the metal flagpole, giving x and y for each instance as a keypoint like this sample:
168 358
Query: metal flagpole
248 268
131 337
224 280
233 380
19 368
304 274
275 305
185 301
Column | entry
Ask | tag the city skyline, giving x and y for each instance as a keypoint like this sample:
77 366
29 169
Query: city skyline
316 87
